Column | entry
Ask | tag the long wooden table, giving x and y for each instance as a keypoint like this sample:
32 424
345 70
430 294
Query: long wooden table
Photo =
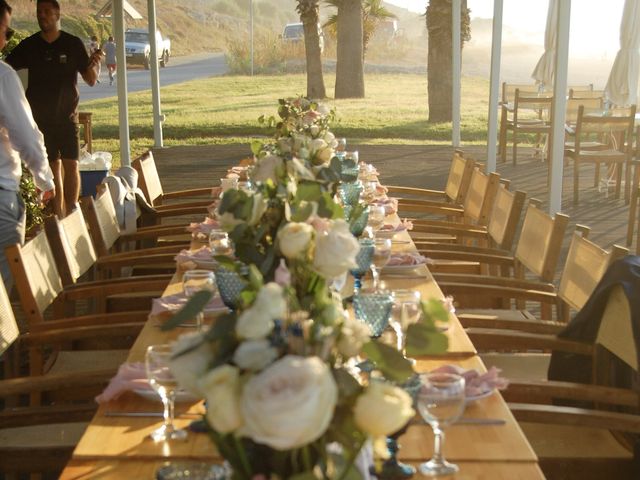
119 447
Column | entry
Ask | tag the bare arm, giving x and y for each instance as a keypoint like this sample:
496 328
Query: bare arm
90 75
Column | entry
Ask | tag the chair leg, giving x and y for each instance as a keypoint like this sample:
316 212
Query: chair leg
502 139
627 182
633 205
618 173
596 177
515 147
576 182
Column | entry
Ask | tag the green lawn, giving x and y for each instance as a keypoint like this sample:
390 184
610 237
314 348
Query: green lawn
225 110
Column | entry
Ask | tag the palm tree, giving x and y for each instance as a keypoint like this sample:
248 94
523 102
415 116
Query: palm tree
439 63
373 14
308 11
350 58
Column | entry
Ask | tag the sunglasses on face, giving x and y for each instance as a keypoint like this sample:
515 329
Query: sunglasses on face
9 33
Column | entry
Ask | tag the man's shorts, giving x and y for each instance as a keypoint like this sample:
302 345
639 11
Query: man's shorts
61 141
111 66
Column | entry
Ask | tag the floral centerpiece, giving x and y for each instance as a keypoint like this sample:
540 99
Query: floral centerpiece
285 398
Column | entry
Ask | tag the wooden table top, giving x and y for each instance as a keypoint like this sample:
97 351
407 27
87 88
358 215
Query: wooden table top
120 447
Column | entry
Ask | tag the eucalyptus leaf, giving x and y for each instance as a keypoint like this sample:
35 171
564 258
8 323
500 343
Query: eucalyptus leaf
256 145
301 211
423 339
348 386
309 191
227 263
336 165
223 326
434 310
194 305
389 361
255 277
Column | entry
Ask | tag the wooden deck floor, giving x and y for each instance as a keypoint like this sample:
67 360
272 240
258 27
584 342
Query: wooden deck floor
423 166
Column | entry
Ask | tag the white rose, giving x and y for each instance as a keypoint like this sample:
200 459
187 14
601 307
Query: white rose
382 409
267 169
330 138
270 301
303 153
322 109
221 388
314 130
290 404
228 221
258 207
254 354
254 324
317 144
191 356
324 155
336 251
353 336
284 144
294 239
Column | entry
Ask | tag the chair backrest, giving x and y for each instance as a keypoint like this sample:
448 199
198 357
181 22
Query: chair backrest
591 105
505 216
578 90
9 330
459 177
72 246
616 329
36 276
509 90
585 265
531 102
619 124
480 196
149 180
101 217
540 241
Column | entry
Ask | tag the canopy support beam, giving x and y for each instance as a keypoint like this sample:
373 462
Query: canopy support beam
121 75
457 71
494 90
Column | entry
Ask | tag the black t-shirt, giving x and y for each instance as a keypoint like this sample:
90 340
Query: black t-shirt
53 75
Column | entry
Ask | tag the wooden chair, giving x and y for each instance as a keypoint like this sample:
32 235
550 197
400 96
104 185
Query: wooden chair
616 153
523 122
580 90
634 213
455 189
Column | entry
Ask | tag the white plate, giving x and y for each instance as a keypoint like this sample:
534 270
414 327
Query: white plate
401 268
181 396
474 398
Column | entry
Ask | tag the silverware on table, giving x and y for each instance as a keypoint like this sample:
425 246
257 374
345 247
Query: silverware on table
480 421
149 414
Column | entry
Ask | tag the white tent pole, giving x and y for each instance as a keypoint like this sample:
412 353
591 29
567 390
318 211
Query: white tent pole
158 118
456 66
121 75
494 92
559 106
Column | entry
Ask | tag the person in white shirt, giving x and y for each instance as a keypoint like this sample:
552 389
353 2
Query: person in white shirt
19 139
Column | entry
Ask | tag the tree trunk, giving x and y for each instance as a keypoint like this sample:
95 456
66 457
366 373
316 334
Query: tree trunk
315 80
440 61
350 64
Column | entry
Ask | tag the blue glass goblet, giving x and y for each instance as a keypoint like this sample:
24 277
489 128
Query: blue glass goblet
230 285
363 259
357 225
350 193
374 309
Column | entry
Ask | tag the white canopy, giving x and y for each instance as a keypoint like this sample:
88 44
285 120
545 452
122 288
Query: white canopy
543 73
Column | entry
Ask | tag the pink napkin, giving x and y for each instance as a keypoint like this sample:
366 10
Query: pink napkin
476 383
407 259
390 204
203 227
130 376
202 255
401 227
173 303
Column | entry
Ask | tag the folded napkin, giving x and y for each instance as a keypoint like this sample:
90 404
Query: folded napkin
401 227
202 255
130 376
476 383
239 171
407 259
390 204
173 303
203 227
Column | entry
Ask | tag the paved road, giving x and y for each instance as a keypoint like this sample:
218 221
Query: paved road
179 69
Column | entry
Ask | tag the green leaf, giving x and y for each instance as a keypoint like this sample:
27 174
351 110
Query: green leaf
327 208
336 165
304 476
193 306
227 263
434 310
223 326
389 361
256 145
347 385
301 211
423 339
309 191
255 278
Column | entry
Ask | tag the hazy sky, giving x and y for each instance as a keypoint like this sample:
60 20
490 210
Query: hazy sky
594 27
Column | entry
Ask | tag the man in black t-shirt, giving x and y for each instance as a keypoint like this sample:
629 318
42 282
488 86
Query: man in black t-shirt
54 58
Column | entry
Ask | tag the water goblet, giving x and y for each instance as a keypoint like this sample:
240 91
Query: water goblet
352 156
406 311
163 382
229 183
381 256
195 281
377 214
342 144
363 260
441 401
373 307
220 243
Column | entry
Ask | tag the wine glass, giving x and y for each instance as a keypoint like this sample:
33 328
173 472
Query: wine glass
342 144
406 311
441 401
377 214
220 243
195 281
381 256
163 382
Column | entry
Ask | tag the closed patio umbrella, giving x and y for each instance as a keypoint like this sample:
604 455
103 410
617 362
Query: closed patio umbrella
622 86
543 73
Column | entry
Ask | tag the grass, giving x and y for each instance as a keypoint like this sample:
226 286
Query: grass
225 110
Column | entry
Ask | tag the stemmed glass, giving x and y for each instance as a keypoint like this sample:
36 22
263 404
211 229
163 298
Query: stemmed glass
441 401
363 259
406 311
220 243
377 214
381 256
162 381
195 281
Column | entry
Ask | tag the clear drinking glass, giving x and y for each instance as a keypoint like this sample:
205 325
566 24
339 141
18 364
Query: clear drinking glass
194 281
441 402
162 381
406 311
220 243
342 144
381 256
377 214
